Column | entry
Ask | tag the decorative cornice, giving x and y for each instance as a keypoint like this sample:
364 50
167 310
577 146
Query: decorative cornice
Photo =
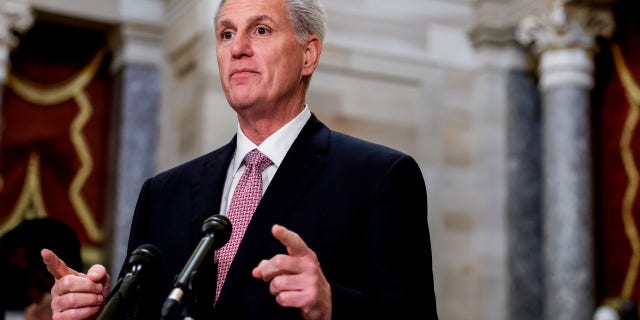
492 36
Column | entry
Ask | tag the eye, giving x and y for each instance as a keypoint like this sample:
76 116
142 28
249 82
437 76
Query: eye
226 35
262 30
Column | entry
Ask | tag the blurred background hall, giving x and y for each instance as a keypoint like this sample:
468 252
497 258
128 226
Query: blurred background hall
523 115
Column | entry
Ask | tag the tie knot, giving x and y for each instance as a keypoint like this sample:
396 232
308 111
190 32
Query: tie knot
257 159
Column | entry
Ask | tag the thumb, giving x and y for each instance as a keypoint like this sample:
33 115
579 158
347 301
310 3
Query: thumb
98 274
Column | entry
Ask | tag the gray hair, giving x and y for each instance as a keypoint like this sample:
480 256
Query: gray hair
307 17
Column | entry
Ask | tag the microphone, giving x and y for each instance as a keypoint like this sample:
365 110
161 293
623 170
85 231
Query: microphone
143 258
217 231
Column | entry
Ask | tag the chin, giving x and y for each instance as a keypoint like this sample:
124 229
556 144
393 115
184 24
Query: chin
241 103
240 107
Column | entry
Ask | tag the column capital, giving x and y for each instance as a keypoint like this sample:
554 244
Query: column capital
568 25
15 16
565 41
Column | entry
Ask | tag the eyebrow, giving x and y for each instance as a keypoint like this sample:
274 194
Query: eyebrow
253 20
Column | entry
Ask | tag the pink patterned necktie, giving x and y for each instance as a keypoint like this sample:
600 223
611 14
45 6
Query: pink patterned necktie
243 203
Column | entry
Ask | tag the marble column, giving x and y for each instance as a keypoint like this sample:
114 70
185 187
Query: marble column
505 66
564 40
137 57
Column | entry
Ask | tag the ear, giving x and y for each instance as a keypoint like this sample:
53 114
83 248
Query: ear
312 51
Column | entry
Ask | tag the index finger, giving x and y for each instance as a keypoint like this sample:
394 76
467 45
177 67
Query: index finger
295 245
55 265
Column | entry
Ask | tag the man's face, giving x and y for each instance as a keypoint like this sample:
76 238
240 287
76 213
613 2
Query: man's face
261 62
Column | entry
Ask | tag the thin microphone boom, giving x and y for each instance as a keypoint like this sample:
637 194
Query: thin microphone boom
217 231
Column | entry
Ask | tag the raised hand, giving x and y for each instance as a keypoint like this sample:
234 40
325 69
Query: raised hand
75 295
296 279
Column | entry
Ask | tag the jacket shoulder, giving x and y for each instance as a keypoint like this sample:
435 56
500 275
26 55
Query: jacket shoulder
219 154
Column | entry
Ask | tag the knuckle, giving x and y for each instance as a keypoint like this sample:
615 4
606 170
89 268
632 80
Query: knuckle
277 283
69 301
279 260
64 283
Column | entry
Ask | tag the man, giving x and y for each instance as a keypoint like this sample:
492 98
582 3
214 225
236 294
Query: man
341 229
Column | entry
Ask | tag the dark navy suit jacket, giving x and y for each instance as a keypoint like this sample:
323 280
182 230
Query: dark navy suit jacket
360 206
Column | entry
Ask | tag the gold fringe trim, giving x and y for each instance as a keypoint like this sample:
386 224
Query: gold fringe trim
633 95
50 95
75 189
30 203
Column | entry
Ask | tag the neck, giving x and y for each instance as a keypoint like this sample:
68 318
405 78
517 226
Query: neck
259 128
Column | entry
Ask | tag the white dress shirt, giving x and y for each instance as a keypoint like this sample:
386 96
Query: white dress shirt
275 147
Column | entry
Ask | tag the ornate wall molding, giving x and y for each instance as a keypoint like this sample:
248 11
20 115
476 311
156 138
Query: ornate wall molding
494 36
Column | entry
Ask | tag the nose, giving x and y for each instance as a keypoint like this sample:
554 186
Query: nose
241 46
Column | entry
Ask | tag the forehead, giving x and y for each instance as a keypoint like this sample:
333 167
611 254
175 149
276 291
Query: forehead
238 11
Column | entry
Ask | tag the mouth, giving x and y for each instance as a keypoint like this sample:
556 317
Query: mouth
241 73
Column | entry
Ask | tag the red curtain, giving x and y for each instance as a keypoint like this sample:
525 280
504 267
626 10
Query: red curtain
55 125
617 161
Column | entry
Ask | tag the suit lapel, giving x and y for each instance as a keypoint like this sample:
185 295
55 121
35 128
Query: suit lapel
206 188
300 167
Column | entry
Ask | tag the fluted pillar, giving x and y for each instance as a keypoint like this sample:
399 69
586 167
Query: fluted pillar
564 40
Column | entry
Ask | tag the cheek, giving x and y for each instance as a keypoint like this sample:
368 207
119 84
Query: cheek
288 67
222 65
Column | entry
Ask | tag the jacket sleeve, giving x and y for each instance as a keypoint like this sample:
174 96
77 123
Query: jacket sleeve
399 248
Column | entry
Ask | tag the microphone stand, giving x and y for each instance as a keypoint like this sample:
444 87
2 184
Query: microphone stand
198 298
217 231
119 302
128 291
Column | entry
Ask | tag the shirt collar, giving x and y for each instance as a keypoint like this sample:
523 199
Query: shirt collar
276 146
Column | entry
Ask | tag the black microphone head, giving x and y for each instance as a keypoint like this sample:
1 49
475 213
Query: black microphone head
146 255
220 227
